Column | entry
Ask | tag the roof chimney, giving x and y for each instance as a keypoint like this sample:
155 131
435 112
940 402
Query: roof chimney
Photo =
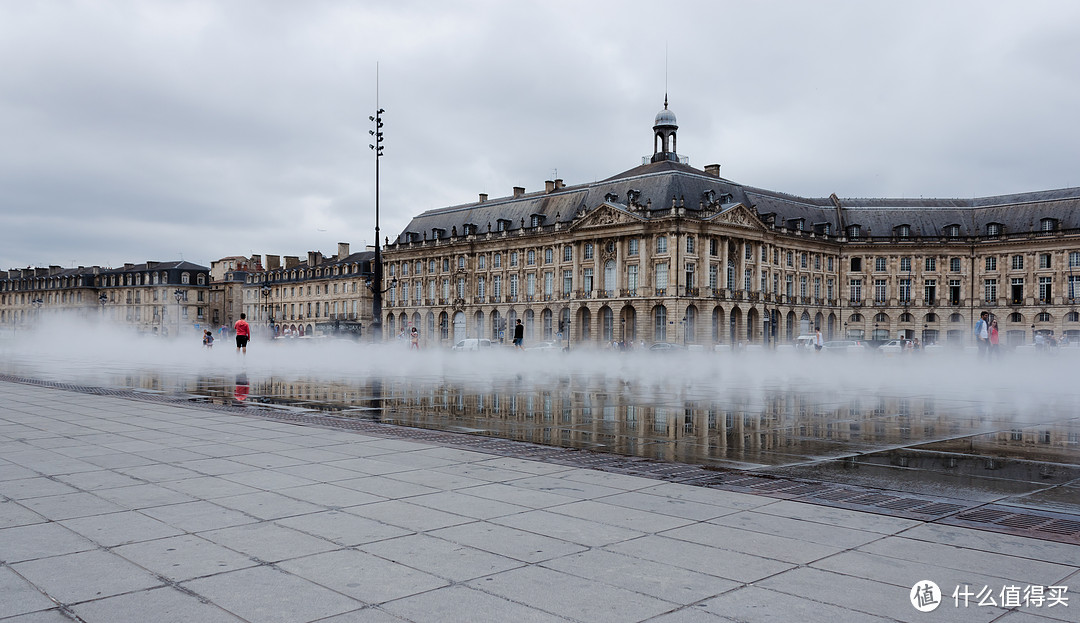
559 184
273 262
342 250
549 186
483 197
713 170
518 191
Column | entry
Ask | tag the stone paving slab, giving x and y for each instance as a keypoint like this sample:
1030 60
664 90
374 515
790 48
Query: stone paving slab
117 510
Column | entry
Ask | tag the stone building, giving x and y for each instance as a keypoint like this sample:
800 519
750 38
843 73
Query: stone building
665 252
154 297
319 296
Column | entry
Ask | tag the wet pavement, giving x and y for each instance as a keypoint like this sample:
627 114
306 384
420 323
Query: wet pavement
146 505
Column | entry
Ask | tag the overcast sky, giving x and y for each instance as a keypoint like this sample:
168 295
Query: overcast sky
134 131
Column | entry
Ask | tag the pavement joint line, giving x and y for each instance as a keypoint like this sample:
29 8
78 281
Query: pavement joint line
937 510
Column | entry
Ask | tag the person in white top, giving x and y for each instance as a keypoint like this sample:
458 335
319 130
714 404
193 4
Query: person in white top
982 333
819 342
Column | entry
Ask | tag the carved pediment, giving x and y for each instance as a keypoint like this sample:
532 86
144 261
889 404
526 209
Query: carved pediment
739 215
605 215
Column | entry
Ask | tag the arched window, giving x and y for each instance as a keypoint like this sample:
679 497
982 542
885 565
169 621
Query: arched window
1016 317
185 278
881 317
905 317
659 323
956 318
855 318
1043 317
1072 317
930 318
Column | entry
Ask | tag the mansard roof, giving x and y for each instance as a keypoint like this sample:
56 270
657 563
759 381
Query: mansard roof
659 185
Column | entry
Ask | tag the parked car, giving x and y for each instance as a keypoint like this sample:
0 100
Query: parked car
894 347
472 343
845 346
545 347
666 346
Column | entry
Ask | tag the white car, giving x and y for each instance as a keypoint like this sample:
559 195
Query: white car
545 347
893 347
472 343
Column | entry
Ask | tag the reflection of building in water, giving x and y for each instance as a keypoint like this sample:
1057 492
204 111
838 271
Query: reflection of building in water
779 425
665 252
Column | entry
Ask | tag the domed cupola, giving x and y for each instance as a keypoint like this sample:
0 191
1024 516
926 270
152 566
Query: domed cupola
664 130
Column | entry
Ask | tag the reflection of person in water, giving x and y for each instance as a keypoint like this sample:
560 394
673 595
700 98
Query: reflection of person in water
242 387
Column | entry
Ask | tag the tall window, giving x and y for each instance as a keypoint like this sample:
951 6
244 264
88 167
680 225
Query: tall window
530 284
496 260
1074 259
1044 260
661 244
632 246
567 281
879 264
905 290
530 257
481 262
905 264
931 264
714 276
990 290
496 286
991 263
662 276
660 323
691 282
1018 262
588 250
481 291
1045 289
568 253
856 290
748 276
632 278
513 286
879 290
513 258
930 291
549 255
689 244
587 281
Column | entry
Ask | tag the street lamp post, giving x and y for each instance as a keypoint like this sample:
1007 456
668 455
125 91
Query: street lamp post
179 294
270 318
377 269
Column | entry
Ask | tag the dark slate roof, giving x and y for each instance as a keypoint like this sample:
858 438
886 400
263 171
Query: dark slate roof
658 184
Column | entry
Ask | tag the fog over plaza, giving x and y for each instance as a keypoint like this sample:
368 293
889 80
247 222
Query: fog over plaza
81 351
143 130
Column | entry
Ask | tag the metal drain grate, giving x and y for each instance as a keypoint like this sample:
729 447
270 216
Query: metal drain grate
1032 523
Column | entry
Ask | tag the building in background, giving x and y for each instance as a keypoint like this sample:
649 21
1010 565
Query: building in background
155 297
319 296
665 252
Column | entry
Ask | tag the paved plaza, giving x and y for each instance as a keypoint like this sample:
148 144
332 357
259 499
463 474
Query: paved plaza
114 509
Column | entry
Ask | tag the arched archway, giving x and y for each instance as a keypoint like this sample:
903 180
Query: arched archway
607 325
753 324
804 324
584 324
734 320
628 324
717 324
459 326
478 320
789 329
659 316
690 325
545 325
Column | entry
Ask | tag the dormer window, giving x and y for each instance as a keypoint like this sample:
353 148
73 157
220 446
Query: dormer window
993 229
503 225
796 224
903 231
1048 224
437 232
854 231
536 220
952 231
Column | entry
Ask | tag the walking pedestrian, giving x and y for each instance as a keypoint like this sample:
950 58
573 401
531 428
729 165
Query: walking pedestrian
994 352
982 333
415 339
819 342
243 334
519 335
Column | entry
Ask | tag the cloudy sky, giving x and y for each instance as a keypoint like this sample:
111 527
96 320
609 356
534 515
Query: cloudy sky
158 130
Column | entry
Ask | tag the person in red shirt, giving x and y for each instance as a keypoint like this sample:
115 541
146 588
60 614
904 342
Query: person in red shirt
243 334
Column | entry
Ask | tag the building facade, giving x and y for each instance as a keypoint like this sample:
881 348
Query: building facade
665 252
320 296
154 297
